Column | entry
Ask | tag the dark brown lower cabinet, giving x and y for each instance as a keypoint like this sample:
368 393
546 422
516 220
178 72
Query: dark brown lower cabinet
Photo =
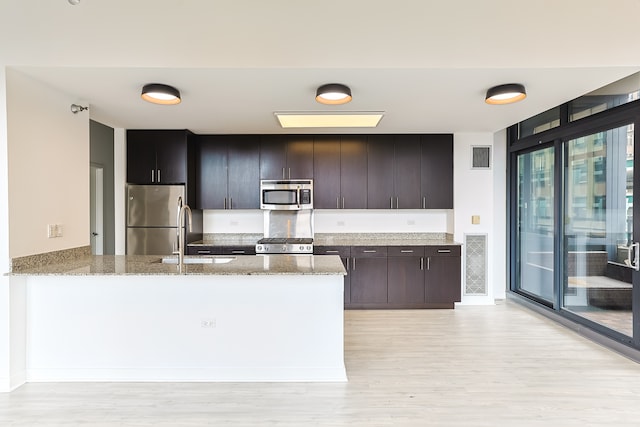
368 276
405 276
442 276
345 256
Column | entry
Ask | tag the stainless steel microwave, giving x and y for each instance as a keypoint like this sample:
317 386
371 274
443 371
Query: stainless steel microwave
286 195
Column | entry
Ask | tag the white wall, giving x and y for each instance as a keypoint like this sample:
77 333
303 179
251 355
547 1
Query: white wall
338 221
475 194
4 242
48 151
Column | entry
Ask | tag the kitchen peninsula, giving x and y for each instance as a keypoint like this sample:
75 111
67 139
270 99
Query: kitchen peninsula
133 318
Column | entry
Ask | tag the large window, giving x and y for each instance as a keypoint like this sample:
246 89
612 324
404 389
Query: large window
571 201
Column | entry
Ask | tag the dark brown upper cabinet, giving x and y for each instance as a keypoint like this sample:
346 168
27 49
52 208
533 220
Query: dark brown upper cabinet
286 157
436 168
158 156
227 172
340 171
393 177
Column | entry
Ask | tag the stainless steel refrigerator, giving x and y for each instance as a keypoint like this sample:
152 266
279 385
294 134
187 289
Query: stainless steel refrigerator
152 218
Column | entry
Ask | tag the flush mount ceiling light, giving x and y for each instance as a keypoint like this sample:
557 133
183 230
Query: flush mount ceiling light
333 94
368 119
160 94
506 94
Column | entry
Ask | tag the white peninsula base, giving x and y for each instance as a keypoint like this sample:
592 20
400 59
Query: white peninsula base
184 328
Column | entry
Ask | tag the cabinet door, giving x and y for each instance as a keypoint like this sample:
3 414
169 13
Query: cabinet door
380 171
344 252
326 172
243 172
406 176
273 157
405 276
141 156
171 157
437 171
442 275
353 172
299 157
369 276
211 173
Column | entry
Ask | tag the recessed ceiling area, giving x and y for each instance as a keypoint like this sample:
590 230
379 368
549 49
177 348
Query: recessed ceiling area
427 66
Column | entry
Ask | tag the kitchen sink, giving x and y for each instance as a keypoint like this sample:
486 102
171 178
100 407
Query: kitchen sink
191 259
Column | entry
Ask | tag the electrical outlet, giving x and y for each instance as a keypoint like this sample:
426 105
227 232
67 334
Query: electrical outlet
208 323
58 230
51 230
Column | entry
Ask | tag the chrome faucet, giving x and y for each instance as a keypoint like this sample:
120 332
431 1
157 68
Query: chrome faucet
181 231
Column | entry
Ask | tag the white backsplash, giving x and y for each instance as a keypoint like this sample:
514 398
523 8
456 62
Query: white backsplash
338 221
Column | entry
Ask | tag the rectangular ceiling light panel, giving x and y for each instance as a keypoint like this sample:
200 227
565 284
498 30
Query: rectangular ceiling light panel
315 120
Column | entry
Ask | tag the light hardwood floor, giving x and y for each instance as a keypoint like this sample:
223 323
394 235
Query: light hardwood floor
501 365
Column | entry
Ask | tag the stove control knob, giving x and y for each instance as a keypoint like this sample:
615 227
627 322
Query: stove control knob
309 248
259 248
301 248
284 248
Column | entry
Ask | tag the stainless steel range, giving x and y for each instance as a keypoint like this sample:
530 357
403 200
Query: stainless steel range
287 232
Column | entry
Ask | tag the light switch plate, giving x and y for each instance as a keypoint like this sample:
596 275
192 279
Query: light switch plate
475 219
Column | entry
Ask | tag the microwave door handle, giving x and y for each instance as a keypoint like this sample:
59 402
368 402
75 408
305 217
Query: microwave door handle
299 197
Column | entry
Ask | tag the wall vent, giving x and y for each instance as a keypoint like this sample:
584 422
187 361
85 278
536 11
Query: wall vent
475 262
481 157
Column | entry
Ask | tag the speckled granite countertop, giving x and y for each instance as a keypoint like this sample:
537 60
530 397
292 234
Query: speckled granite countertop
339 239
151 265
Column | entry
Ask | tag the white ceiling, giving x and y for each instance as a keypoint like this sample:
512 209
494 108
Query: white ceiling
427 64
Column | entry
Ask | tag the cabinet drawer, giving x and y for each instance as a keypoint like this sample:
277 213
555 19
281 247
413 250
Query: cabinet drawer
406 251
448 250
203 250
369 251
238 250
343 251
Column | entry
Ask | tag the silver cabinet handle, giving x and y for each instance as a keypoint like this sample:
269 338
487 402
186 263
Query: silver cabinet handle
332 252
289 177
158 175
354 264
153 175
372 251
397 204
347 264
338 202
343 203
204 252
391 202
406 251
424 202
224 206
444 251
634 250
428 263
238 251
230 202
421 263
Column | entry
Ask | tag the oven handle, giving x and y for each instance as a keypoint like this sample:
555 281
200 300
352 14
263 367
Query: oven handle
299 197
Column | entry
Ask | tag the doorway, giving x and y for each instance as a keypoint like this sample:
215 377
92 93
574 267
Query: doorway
600 252
96 222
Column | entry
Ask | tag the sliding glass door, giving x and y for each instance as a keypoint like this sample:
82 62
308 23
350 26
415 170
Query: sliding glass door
535 224
599 250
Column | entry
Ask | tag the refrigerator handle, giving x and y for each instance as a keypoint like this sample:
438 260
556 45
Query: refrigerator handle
177 245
